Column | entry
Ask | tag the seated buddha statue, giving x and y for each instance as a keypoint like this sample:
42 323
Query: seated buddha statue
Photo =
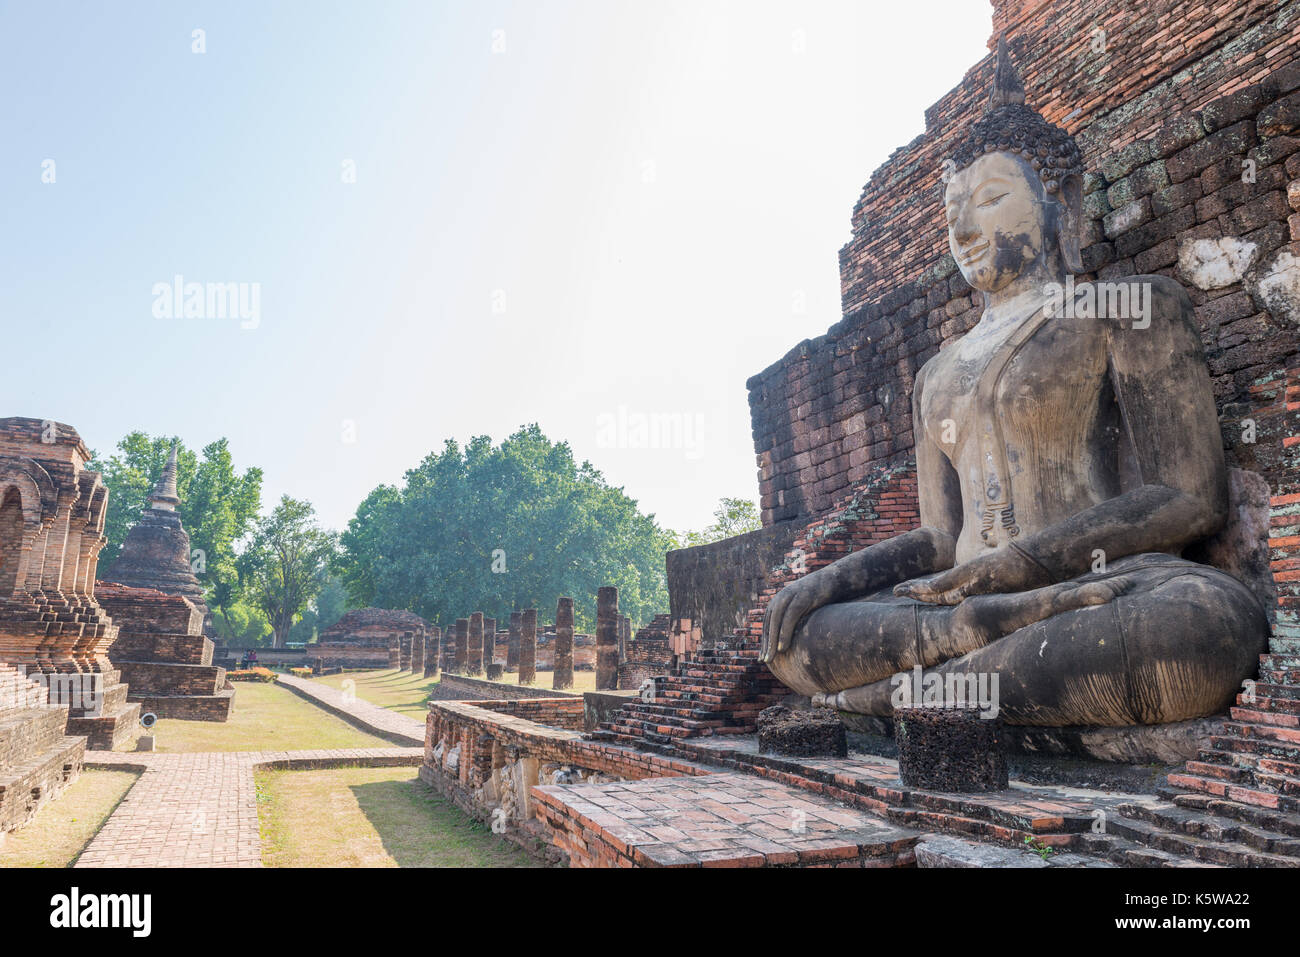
1065 459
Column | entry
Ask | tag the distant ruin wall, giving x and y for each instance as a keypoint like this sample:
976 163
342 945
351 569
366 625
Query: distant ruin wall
715 585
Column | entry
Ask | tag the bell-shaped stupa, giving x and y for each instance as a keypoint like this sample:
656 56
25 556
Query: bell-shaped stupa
157 552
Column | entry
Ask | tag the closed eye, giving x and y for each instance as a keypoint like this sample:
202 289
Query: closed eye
992 201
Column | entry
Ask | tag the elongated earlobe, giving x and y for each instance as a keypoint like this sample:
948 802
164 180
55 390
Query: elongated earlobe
1071 222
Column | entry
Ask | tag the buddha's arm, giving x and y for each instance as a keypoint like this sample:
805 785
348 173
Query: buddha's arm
1167 407
1163 389
922 551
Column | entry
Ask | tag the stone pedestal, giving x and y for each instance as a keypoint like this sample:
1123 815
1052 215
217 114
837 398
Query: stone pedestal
562 669
949 750
802 734
163 655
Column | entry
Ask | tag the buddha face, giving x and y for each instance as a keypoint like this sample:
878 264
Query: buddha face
998 220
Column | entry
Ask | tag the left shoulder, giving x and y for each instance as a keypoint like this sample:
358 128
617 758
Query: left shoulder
1147 302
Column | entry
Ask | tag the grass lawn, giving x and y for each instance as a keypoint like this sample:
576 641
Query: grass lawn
264 718
400 691
370 817
62 829
406 693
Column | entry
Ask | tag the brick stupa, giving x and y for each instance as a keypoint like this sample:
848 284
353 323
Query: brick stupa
156 553
161 649
53 633
367 638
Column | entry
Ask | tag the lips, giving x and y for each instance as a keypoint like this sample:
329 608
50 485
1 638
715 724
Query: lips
974 254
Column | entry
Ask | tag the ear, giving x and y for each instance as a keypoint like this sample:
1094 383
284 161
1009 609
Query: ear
1071 199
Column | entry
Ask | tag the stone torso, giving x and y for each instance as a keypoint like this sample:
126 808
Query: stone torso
1024 411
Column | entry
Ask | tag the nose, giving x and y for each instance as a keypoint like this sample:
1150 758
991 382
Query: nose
964 230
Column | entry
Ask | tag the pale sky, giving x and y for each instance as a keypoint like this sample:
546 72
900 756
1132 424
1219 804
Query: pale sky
576 212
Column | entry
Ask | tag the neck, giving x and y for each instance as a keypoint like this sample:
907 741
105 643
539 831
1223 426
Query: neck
1029 286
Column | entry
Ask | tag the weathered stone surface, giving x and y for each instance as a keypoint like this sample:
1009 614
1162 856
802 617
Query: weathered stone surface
163 654
607 630
802 734
562 672
1017 574
1138 744
51 627
949 750
528 646
474 664
367 638
1215 263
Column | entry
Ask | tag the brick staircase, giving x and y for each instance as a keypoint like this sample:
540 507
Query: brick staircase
1238 804
720 690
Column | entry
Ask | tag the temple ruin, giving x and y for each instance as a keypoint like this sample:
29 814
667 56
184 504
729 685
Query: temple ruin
51 628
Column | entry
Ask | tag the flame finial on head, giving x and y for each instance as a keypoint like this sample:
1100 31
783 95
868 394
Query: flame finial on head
1007 87
1009 125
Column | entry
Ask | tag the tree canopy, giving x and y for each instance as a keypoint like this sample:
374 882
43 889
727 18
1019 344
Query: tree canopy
733 516
502 528
286 564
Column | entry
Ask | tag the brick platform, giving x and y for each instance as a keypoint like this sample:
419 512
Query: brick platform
200 810
718 820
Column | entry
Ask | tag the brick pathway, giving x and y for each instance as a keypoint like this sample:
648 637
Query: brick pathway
200 810
370 717
716 820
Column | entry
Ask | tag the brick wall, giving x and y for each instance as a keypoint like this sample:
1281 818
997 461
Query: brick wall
461 688
1165 117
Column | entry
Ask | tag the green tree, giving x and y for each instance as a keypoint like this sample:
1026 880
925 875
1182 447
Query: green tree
732 517
218 505
286 564
502 528
322 612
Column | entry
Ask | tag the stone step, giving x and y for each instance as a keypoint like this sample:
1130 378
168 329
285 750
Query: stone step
1224 854
1258 746
1279 719
1242 794
1271 705
1286 735
1223 772
1280 662
1211 827
1285 824
1128 853
1279 677
1279 783
26 733
1267 689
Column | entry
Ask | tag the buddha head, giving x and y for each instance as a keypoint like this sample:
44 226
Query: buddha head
1013 192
